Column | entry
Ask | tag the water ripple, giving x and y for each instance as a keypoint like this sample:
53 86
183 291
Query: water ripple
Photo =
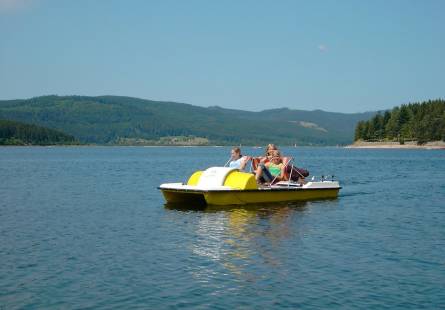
86 228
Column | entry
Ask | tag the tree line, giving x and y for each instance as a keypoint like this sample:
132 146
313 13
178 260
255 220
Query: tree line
17 133
421 122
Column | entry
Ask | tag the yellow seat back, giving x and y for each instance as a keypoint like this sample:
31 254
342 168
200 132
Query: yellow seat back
194 178
241 180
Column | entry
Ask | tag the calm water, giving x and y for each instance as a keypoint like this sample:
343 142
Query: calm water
85 227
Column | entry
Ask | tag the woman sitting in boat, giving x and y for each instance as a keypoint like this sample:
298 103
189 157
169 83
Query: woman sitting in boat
272 171
237 160
256 161
270 148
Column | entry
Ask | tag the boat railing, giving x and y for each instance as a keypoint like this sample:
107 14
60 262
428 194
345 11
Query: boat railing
290 160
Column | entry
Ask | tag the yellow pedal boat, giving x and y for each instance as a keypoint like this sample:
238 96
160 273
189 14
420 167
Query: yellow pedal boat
228 186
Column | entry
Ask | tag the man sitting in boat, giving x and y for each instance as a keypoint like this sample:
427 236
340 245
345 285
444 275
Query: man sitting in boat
271 171
237 160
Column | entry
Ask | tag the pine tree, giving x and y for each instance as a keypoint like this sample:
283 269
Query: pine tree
415 121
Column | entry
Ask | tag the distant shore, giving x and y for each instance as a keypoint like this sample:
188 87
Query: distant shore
434 145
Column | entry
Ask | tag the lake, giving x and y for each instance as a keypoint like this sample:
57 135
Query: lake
86 227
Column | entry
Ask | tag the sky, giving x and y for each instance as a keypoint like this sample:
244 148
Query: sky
342 56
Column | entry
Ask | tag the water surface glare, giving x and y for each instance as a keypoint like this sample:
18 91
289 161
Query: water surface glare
86 227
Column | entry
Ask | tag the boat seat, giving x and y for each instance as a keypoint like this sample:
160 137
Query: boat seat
255 162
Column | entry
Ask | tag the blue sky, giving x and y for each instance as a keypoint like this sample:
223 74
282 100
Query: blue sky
345 56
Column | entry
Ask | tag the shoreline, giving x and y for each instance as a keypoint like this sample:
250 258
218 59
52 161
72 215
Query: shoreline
434 145
180 146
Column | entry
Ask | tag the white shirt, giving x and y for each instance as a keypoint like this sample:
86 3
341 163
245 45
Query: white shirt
236 163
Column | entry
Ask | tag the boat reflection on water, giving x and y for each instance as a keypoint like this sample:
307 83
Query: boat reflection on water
239 237
256 208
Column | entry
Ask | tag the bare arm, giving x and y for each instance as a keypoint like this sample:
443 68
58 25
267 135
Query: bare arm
244 162
282 176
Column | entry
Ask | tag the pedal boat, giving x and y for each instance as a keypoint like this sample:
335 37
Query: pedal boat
228 186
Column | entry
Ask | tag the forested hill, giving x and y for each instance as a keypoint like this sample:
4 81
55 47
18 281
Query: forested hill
126 120
421 122
17 133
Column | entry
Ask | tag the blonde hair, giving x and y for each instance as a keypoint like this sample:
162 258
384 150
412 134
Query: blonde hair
269 148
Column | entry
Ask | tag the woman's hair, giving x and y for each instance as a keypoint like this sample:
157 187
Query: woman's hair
276 153
269 148
237 150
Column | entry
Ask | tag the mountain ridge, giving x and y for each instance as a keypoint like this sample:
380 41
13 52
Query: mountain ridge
107 119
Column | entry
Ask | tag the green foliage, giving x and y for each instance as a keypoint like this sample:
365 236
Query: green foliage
17 133
124 120
177 140
421 122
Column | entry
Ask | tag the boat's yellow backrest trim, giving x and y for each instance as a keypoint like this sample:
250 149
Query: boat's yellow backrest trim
194 178
240 180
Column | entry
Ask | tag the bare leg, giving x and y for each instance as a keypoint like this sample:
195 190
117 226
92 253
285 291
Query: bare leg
258 173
